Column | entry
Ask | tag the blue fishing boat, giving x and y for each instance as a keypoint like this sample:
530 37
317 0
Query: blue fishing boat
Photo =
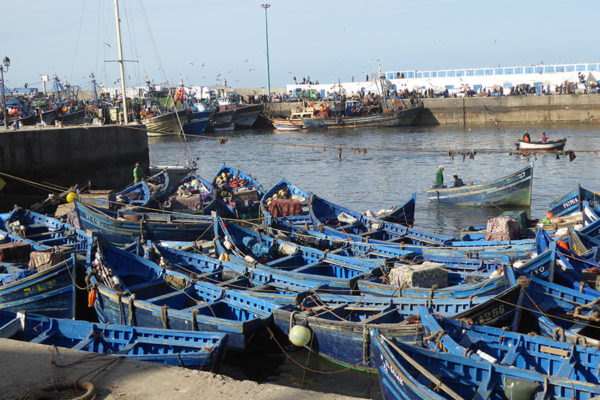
124 226
202 350
193 195
135 291
283 191
137 195
572 202
529 352
510 190
238 193
251 248
407 372
339 325
198 120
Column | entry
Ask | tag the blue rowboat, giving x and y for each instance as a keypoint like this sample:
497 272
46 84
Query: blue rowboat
202 350
283 286
137 195
407 372
339 325
158 184
572 202
511 190
45 231
134 291
197 121
49 291
241 202
251 248
529 352
198 199
403 213
125 226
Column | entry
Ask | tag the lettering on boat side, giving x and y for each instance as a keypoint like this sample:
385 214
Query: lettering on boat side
490 315
389 370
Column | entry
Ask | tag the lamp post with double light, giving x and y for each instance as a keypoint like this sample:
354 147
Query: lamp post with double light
4 68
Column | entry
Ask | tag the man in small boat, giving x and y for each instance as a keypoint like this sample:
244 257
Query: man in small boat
439 178
457 181
138 173
526 137
544 137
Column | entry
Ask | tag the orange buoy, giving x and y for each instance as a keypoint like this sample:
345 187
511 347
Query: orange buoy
92 298
548 215
562 244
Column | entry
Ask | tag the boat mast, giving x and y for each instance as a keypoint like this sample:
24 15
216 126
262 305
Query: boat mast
121 68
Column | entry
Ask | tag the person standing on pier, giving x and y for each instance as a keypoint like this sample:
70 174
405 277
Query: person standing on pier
138 173
439 178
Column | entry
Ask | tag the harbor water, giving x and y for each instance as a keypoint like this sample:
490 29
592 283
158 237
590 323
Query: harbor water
382 178
379 178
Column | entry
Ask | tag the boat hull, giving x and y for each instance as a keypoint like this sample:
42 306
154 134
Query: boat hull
49 292
245 116
399 118
541 146
166 124
511 190
197 123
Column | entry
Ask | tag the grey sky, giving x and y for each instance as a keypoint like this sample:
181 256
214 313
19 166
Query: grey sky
326 40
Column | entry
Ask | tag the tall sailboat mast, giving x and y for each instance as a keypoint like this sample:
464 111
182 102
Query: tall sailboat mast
121 68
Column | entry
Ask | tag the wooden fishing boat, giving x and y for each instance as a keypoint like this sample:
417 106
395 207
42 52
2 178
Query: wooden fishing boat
136 291
294 122
407 371
572 202
251 248
124 226
203 350
73 117
339 325
245 116
403 213
404 117
221 120
550 145
193 194
169 123
49 116
240 196
198 120
136 195
510 190
529 352
158 184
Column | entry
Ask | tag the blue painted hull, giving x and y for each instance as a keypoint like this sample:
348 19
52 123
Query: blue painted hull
232 211
49 292
151 226
511 190
153 297
168 347
197 123
572 202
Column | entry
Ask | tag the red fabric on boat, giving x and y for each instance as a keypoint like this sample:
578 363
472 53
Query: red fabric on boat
285 207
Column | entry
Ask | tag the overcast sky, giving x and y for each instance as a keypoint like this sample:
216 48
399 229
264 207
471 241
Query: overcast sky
201 41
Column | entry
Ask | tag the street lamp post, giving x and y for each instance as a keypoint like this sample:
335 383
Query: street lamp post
265 6
6 62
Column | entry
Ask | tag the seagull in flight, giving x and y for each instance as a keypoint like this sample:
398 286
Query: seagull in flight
203 64
246 60
250 69
108 44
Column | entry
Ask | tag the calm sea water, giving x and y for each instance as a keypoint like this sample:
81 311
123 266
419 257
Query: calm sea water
379 179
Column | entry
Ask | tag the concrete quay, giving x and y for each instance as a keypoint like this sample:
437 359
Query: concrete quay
103 155
27 367
481 111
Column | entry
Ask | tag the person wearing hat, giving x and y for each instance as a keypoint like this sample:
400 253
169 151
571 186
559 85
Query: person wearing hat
457 181
138 173
439 177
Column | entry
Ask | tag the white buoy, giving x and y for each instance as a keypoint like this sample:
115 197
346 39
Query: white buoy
299 335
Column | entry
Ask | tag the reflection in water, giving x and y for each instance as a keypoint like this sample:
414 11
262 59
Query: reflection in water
380 179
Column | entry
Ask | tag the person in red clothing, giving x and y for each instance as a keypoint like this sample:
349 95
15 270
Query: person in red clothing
544 137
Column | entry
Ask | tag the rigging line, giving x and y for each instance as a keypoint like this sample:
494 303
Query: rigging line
78 37
162 69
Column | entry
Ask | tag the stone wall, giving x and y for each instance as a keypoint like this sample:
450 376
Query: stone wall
103 155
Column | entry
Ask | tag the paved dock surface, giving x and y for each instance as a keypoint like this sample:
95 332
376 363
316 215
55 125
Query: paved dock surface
26 366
